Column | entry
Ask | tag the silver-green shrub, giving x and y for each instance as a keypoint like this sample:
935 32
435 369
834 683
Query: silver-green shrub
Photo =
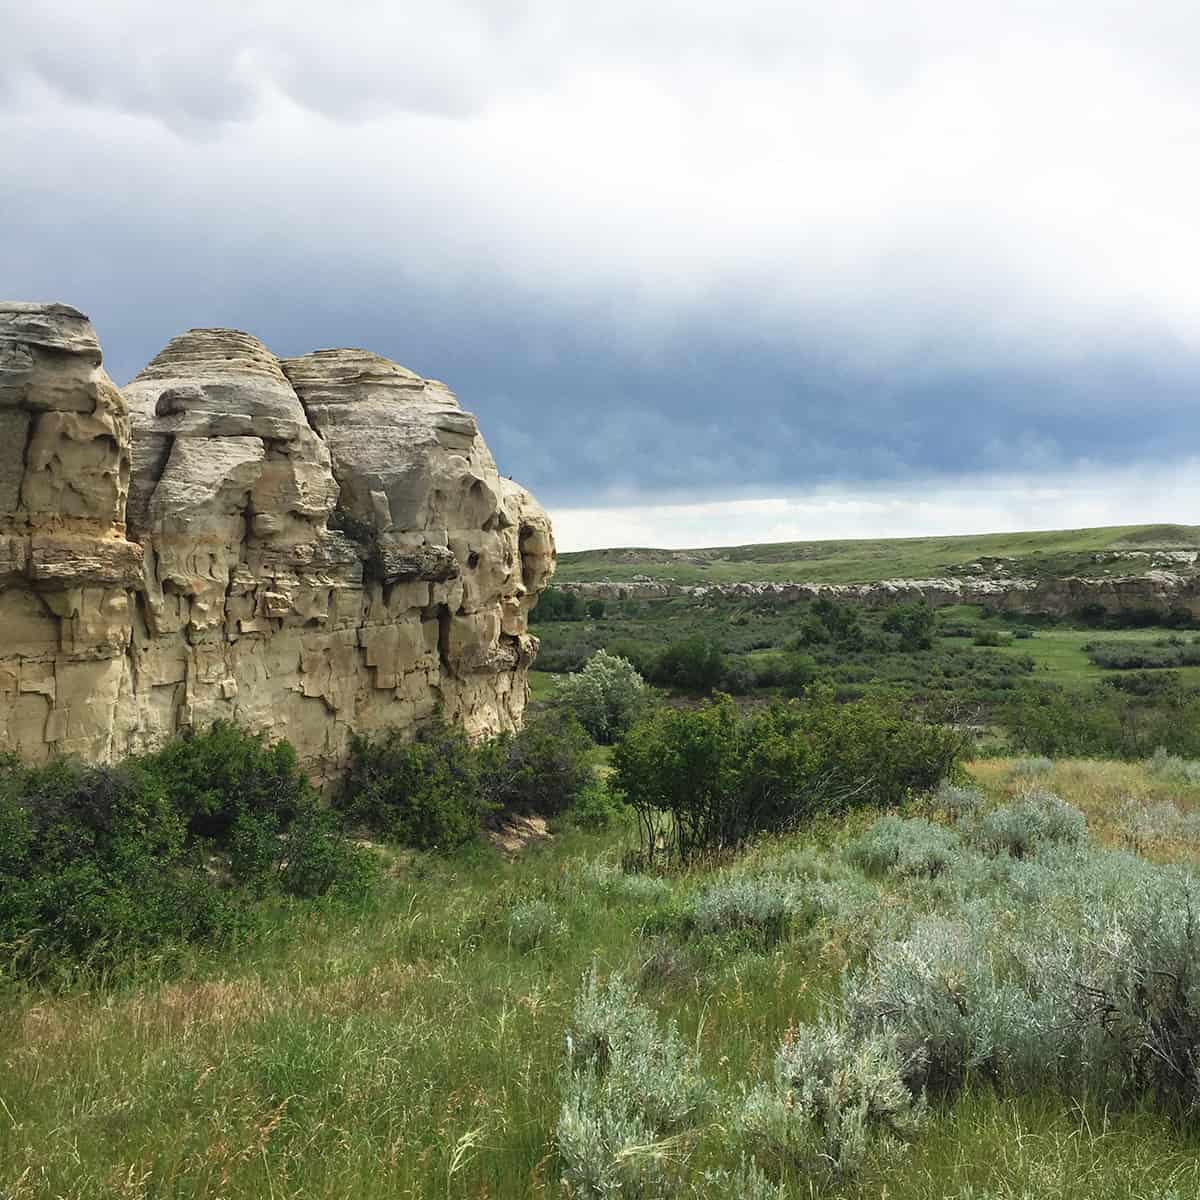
832 1092
944 994
606 696
1029 823
764 904
1030 768
627 1085
611 881
534 925
1146 825
606 1151
1173 768
958 801
905 847
744 1182
616 1047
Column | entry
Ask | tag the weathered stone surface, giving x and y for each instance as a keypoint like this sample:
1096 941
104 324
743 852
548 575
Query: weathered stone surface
1157 591
311 547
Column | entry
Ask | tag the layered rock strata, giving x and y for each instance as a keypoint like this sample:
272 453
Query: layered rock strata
311 547
1157 591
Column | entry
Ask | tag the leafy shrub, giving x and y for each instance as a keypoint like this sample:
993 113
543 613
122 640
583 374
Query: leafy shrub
227 774
542 769
1126 656
1029 823
606 696
914 622
595 806
90 855
424 792
1127 717
723 778
895 846
318 859
791 671
832 1093
694 664
992 637
100 862
558 604
842 623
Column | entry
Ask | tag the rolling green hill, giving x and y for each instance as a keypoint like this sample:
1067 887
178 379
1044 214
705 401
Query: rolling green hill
1049 552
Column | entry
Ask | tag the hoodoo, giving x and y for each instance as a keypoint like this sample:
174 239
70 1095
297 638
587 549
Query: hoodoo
310 546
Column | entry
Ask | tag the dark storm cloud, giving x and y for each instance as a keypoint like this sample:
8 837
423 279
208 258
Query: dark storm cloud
663 252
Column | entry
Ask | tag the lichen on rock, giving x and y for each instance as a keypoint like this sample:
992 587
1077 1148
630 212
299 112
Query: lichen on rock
310 546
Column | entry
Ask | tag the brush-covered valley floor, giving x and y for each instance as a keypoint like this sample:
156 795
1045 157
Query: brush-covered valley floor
420 1048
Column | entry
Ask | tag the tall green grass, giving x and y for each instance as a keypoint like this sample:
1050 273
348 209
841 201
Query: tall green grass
415 1048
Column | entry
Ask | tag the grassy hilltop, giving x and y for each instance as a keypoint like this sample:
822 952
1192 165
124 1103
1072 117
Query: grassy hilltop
1050 552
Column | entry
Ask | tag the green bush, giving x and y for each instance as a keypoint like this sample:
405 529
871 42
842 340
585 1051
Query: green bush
542 769
595 807
425 792
915 623
225 773
90 864
97 863
1127 717
703 779
436 790
694 664
557 604
247 798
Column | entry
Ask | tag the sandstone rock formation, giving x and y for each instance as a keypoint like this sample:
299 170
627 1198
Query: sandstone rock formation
312 547
1156 591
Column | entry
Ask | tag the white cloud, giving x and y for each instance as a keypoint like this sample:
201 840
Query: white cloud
932 176
996 504
910 187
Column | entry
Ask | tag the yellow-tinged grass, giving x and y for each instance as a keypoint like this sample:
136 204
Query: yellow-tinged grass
1100 789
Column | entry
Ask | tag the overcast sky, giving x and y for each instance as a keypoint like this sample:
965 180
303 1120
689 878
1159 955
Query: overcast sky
707 272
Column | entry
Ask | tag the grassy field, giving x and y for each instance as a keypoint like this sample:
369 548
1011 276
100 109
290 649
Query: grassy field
1058 650
1055 552
415 1050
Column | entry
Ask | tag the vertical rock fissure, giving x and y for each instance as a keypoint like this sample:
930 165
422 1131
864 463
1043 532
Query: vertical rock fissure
255 597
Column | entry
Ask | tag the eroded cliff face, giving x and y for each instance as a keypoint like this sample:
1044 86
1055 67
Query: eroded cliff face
1161 592
311 547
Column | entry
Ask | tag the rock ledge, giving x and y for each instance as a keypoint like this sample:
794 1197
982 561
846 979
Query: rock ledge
312 546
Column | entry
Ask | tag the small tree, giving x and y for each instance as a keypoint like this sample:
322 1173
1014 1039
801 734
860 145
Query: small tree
694 664
606 696
595 609
914 623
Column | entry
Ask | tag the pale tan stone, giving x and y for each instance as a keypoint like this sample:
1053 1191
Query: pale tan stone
311 547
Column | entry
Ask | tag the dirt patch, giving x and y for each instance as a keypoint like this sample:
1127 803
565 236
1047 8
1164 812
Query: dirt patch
511 837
